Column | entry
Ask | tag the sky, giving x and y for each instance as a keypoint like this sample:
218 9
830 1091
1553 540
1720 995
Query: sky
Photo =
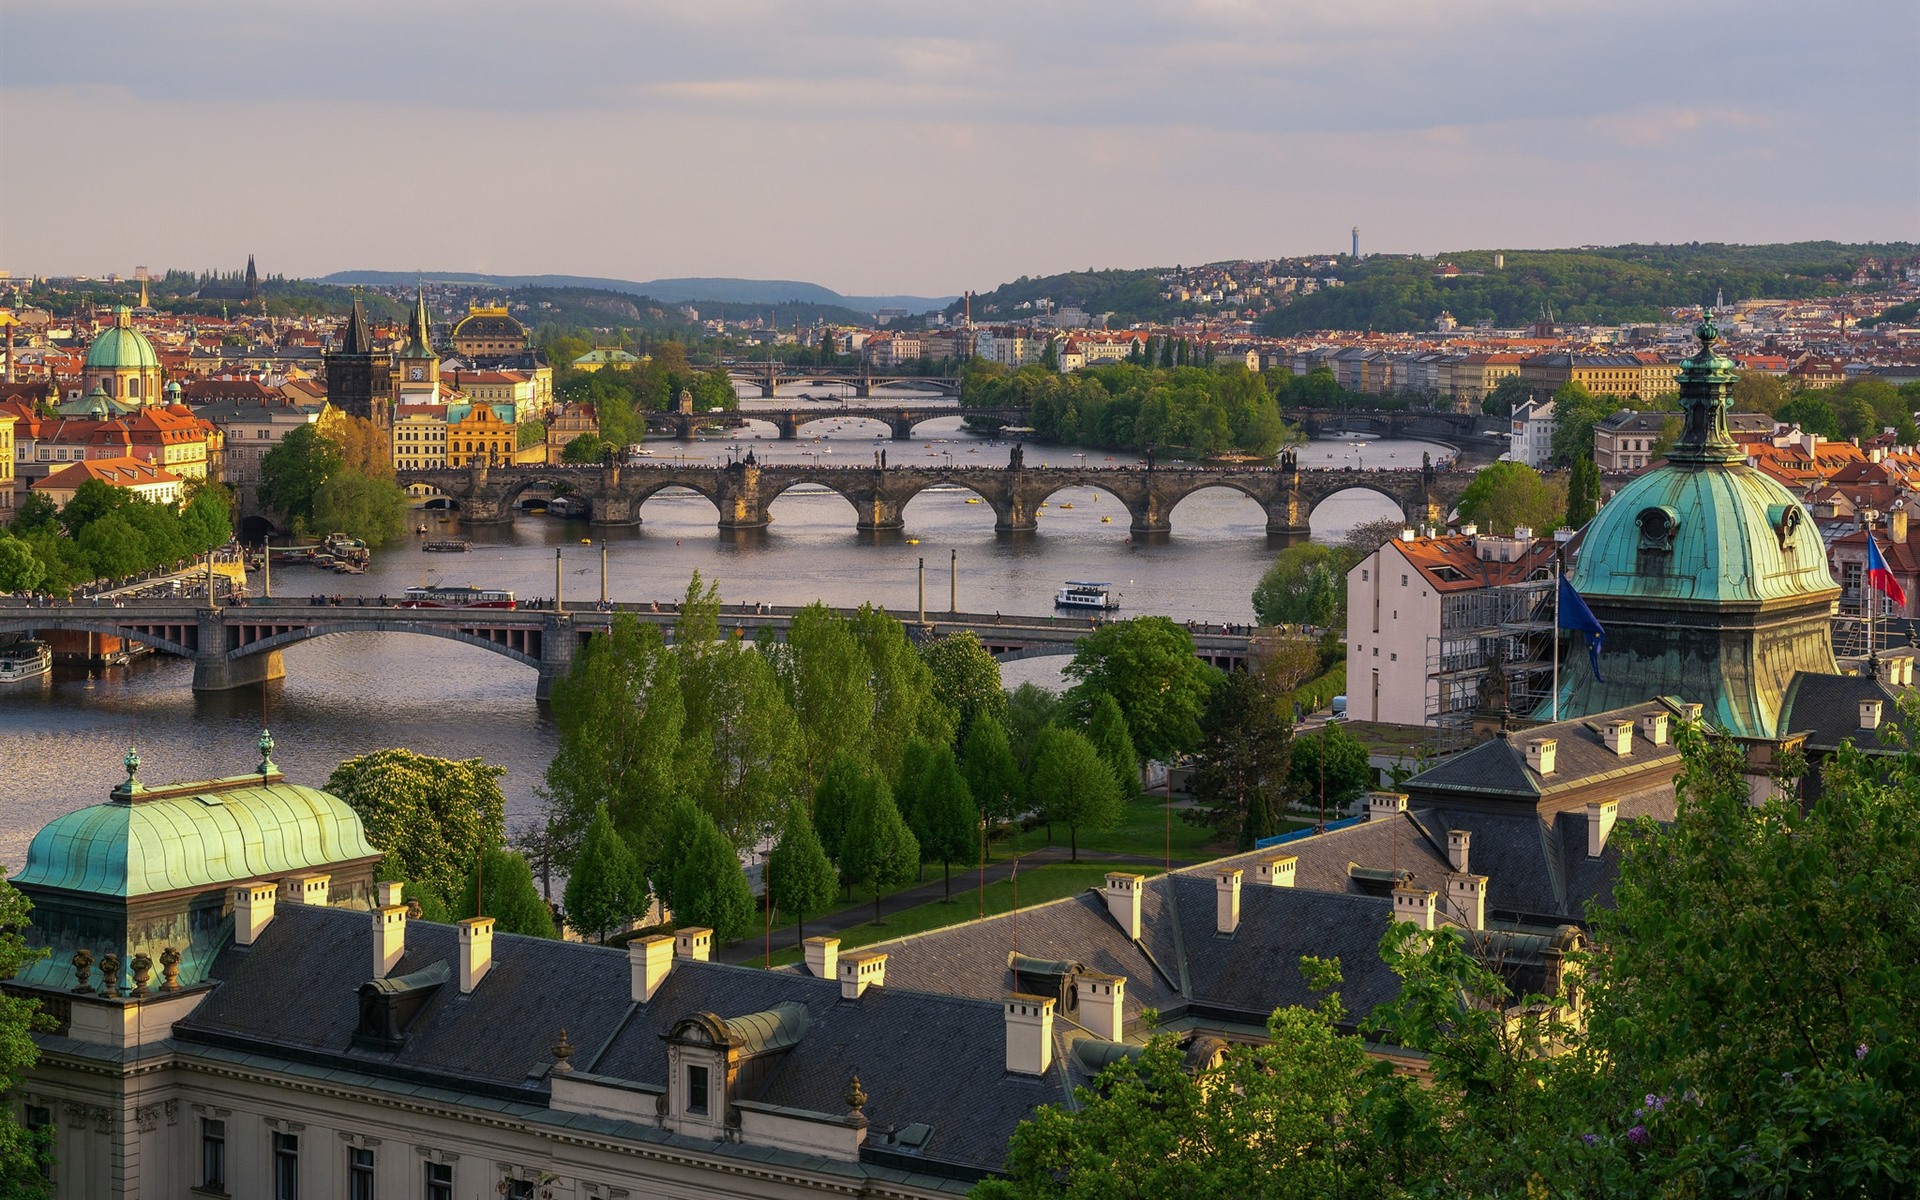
883 147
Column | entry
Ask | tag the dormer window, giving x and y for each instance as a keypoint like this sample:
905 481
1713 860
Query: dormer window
699 1084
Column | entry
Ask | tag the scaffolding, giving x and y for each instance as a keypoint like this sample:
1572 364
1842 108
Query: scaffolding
1494 651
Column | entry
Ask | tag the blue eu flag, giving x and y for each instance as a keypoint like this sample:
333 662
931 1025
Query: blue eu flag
1575 615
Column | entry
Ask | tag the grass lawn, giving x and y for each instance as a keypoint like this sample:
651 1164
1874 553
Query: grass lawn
1037 886
1142 831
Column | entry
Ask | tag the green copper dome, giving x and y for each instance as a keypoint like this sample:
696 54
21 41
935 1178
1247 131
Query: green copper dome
185 839
122 348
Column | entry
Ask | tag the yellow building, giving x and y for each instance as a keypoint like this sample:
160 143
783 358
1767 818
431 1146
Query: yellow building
480 431
122 363
1619 375
420 437
6 462
501 387
1469 379
603 356
488 331
567 422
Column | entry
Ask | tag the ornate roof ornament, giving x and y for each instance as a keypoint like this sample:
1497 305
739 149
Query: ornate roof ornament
1706 392
265 745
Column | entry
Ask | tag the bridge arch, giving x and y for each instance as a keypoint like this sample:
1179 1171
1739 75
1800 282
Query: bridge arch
559 482
73 621
280 641
647 492
1261 513
824 485
1366 503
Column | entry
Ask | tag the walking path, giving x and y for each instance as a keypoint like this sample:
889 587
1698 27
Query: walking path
753 949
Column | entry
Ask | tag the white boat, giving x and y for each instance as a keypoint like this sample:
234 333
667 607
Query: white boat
24 660
1078 593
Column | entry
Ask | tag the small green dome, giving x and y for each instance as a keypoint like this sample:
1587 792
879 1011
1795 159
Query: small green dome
198 840
122 348
1725 534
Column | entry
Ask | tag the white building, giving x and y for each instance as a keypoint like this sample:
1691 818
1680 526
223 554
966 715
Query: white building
1530 440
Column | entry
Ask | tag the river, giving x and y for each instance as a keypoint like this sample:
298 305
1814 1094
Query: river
348 694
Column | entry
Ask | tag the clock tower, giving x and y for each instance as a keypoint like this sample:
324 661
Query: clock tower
416 377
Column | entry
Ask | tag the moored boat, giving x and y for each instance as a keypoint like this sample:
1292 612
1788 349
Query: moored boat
447 545
24 660
1077 593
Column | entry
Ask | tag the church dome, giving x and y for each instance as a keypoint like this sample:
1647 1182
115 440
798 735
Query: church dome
122 348
491 325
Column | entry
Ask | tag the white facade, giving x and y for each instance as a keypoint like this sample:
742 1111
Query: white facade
1530 440
1391 612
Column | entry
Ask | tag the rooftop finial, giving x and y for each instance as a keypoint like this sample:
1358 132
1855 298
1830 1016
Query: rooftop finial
265 744
132 763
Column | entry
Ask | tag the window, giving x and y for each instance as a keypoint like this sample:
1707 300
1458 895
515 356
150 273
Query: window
359 1173
1363 575
439 1181
40 1117
519 1189
213 1154
1403 581
286 1166
697 1091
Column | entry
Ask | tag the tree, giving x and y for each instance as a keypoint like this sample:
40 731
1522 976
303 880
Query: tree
1107 730
834 799
700 878
371 509
1760 392
37 511
1504 397
1347 773
587 448
20 568
799 874
113 548
877 850
92 501
607 888
905 704
909 780
824 673
1070 784
1583 493
292 473
993 775
1368 536
618 715
1242 783
22 1151
966 678
1306 585
1148 666
1811 413
948 815
431 818
504 883
1030 708
364 447
1575 412
1507 495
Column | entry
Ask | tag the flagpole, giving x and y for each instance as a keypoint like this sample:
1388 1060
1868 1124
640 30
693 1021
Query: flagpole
1556 639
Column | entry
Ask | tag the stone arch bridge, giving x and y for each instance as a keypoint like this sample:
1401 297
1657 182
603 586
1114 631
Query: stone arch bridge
768 376
743 491
901 420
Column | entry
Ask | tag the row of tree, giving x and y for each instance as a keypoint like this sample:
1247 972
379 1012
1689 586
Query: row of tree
336 478
108 533
1199 410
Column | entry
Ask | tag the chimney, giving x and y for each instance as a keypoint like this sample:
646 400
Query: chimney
1540 755
1381 805
1413 904
651 960
1619 737
1870 714
694 943
389 938
387 893
823 955
1690 712
1276 872
1458 841
1467 896
1897 525
1523 533
1600 818
1101 999
1029 1034
308 889
1653 727
1123 900
1226 900
476 952
1469 530
861 970
252 910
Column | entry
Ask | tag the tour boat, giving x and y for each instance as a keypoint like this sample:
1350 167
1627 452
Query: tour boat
457 597
448 546
1069 504
973 499
24 660
1081 594
1106 520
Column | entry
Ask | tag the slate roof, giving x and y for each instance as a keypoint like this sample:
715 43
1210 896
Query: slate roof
1498 768
1827 709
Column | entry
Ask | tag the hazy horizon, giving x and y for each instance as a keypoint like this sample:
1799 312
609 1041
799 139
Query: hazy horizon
873 149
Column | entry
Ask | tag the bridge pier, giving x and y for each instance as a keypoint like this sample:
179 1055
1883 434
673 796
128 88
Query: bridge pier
214 671
557 642
788 425
739 499
878 512
613 508
1152 517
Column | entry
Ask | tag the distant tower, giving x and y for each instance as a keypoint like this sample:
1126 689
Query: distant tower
359 378
1356 241
253 279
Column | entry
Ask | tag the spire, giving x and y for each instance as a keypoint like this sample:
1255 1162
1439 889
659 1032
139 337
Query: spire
1706 389
358 339
418 326
253 277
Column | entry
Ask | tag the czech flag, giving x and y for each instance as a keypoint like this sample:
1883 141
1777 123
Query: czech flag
1880 576
1575 615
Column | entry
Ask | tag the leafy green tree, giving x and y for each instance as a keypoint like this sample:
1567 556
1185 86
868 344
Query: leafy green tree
700 877
618 716
1306 585
993 774
1071 786
20 568
374 510
835 797
1583 493
91 501
910 781
1241 783
966 678
607 888
1575 412
1148 666
948 815
292 473
1107 730
113 548
877 850
1504 397
587 448
1030 708
1347 774
431 818
799 873
529 433
1758 391
1811 413
1507 495
22 1151
504 884
37 511
825 674
905 701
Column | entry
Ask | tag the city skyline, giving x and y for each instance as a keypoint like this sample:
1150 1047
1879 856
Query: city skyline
872 150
